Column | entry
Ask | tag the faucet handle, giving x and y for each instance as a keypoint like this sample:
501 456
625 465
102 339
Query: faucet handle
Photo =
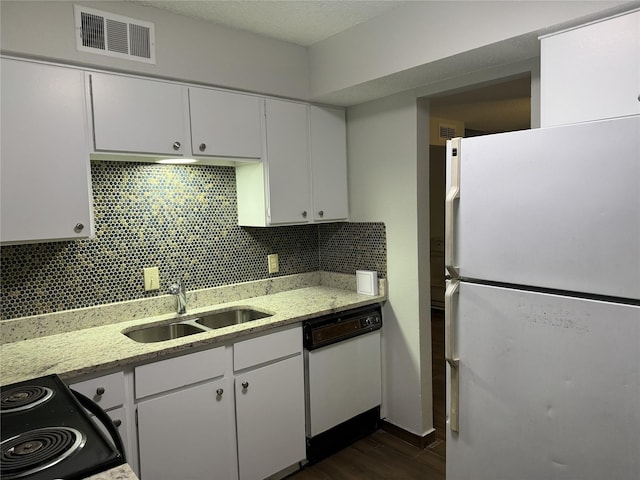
175 288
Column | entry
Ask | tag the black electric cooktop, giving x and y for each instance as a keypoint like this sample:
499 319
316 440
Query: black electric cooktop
46 434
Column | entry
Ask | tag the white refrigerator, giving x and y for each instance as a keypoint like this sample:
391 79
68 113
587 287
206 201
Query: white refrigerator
543 305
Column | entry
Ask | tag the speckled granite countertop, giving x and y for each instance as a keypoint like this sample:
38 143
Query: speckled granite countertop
123 472
100 348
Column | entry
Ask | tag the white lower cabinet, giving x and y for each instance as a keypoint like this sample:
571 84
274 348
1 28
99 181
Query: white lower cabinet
108 392
186 434
234 411
270 415
185 418
270 418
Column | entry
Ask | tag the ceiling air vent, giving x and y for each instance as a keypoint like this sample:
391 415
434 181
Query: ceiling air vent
114 35
447 132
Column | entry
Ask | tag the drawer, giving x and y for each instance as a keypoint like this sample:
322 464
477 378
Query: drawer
267 348
178 372
106 391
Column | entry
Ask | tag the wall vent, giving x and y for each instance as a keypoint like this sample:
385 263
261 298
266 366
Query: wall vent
446 132
114 35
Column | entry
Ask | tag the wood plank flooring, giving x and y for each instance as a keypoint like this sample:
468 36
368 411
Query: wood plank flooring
380 456
383 456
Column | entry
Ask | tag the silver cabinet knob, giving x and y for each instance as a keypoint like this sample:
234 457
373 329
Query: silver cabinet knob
117 422
219 392
304 214
245 385
321 213
202 147
79 227
176 145
100 391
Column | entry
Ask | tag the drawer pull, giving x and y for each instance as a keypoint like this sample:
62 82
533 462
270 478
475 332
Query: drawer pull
100 391
117 422
245 385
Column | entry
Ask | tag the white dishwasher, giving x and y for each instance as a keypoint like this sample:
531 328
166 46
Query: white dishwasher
343 379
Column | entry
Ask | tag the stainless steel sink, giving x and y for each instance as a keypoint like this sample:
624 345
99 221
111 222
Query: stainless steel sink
230 317
160 333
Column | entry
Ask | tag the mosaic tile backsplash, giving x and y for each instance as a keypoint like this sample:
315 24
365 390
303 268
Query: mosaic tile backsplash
182 219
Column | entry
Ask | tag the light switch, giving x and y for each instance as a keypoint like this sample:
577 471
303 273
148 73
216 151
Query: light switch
151 278
272 260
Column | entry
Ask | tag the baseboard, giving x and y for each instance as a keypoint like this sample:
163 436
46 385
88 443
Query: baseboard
411 438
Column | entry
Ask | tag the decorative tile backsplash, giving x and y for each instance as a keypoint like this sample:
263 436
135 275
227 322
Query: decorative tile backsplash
347 247
182 219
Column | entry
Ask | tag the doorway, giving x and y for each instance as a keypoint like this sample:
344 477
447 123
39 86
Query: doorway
500 107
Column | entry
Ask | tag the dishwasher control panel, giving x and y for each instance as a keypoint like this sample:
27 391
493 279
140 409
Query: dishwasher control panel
323 331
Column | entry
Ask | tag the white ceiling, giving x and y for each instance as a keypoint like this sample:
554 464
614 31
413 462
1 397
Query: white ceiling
300 22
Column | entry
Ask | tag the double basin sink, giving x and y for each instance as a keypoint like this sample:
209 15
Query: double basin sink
205 323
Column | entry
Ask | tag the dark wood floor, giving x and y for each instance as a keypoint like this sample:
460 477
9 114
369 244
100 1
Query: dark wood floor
382 456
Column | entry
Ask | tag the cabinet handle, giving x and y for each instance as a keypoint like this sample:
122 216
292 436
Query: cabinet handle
100 391
117 422
321 213
203 147
176 145
304 214
245 385
78 227
219 392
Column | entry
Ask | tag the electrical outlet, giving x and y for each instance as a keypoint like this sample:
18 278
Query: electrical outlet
151 278
272 260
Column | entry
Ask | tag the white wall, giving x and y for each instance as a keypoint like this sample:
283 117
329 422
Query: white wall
186 48
421 42
383 186
388 143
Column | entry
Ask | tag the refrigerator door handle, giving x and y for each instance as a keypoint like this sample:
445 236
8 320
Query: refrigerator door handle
452 196
452 360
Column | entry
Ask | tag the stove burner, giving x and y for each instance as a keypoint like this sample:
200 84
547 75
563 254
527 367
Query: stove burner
23 398
33 451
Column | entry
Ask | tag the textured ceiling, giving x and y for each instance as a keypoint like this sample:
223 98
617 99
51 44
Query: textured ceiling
300 22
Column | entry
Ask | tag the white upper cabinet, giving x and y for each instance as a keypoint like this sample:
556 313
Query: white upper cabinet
225 124
287 162
591 72
136 115
155 118
328 164
304 176
44 153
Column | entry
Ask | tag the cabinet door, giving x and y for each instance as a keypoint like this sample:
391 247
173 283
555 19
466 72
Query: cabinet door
45 154
328 164
591 72
137 115
270 418
187 434
287 162
224 124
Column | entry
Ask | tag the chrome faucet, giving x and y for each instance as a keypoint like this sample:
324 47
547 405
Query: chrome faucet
177 289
